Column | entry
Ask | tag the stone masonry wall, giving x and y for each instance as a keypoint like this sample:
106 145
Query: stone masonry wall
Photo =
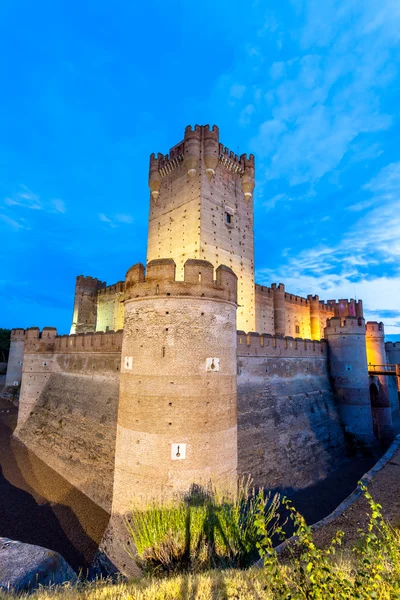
289 431
110 307
69 404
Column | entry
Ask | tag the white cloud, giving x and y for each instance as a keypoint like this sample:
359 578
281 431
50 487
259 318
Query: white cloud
237 91
325 97
115 220
13 223
245 115
347 268
124 218
59 205
25 198
103 218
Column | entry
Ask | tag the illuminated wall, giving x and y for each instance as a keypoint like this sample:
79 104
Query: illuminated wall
202 207
110 308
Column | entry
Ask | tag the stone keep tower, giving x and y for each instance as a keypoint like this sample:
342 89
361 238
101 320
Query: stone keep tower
177 415
349 372
201 207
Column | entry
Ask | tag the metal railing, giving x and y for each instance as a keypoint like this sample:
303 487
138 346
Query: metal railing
389 369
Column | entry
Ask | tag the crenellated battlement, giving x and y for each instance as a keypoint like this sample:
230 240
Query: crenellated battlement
231 161
293 299
116 288
264 344
201 143
17 335
87 282
278 286
47 341
40 341
348 325
375 329
198 280
110 341
323 306
392 346
344 307
263 289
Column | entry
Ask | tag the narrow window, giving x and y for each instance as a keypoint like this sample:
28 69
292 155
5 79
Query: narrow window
199 276
297 329
228 218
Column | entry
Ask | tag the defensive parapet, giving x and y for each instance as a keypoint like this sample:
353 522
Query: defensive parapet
346 308
393 352
40 341
201 142
115 288
198 281
265 344
110 341
15 358
348 367
177 417
85 304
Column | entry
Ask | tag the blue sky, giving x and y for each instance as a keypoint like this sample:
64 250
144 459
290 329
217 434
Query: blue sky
90 89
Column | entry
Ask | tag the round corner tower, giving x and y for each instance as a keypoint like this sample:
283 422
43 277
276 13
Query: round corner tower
381 389
177 416
349 372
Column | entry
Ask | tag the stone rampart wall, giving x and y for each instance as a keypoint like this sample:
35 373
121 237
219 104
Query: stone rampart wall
289 434
289 431
68 409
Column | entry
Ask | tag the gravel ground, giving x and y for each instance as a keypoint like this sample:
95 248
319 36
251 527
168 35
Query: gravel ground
385 489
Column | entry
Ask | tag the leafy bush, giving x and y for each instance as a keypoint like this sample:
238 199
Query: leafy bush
314 573
202 530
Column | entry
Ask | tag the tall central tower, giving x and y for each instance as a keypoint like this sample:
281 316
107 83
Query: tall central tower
201 207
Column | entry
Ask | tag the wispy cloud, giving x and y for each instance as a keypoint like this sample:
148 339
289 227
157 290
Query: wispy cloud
310 108
59 205
13 223
115 220
364 262
26 199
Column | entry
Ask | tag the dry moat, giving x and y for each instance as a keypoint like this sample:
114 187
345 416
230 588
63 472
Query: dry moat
39 507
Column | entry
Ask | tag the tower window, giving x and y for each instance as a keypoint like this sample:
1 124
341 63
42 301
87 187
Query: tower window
228 218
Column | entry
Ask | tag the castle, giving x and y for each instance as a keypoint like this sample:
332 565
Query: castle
188 370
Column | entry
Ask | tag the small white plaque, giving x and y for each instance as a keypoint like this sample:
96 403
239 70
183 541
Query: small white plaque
178 451
128 362
212 364
16 383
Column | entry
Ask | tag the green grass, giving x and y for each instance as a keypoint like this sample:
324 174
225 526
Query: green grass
202 530
370 570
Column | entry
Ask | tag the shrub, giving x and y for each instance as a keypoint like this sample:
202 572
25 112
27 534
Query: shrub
203 530
314 573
